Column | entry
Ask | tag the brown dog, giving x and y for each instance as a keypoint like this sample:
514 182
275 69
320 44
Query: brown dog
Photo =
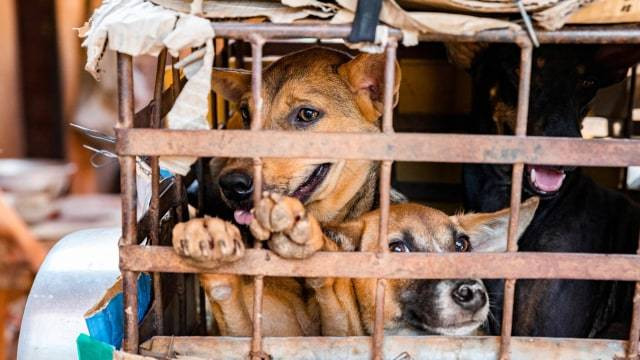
317 89
345 307
320 90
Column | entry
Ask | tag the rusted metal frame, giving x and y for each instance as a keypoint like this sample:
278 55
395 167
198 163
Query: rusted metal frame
385 188
257 43
526 57
358 347
582 35
634 330
514 265
494 149
266 31
181 209
128 185
154 206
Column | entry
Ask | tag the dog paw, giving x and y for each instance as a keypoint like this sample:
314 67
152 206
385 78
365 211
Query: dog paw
285 224
220 287
208 241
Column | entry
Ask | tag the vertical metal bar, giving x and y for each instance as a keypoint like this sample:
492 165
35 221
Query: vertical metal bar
634 331
628 126
385 188
181 212
257 43
154 206
128 186
389 83
175 78
526 53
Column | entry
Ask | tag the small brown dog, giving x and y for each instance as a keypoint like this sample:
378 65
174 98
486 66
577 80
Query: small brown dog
345 307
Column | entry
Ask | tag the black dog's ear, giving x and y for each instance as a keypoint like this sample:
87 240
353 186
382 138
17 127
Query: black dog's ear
464 54
231 84
614 61
348 235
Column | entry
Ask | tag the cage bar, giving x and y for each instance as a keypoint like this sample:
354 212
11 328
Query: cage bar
387 147
495 149
128 185
634 330
516 265
526 54
154 205
256 125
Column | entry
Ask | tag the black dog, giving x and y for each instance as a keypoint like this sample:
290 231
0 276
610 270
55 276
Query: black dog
575 214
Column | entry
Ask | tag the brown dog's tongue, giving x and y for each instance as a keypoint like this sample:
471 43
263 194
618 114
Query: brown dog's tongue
242 217
546 178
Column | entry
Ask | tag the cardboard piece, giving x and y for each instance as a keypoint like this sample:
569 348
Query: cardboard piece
105 320
607 12
274 11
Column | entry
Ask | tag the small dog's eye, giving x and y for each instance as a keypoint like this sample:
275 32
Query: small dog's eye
462 243
246 116
398 246
306 115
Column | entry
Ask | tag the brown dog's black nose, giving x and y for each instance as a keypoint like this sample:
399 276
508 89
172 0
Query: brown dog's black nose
236 186
469 295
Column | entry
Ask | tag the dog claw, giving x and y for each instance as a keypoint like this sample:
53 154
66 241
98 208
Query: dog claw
208 241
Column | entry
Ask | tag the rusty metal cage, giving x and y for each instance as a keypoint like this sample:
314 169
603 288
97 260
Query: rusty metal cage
138 134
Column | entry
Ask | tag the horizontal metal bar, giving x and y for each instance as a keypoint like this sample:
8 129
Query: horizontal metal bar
320 30
518 265
415 347
377 146
580 35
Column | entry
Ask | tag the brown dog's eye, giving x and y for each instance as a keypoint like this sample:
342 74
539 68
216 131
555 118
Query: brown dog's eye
246 116
398 246
462 243
306 115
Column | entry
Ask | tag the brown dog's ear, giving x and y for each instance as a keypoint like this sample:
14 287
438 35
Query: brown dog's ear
488 232
231 84
365 76
348 235
614 62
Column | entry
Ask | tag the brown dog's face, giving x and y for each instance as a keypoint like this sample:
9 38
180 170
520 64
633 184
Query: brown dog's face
443 307
319 90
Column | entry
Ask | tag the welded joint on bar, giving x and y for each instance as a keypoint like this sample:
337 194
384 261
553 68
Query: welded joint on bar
256 39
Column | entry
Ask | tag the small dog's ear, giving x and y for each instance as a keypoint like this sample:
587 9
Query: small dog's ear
365 76
614 62
488 232
231 84
347 236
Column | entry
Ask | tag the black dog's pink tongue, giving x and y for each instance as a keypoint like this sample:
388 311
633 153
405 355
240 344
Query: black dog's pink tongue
242 217
546 178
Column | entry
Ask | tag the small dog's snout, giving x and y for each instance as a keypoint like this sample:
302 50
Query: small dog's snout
236 186
469 295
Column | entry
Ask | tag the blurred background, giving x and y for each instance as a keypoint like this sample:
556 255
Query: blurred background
50 185
53 183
